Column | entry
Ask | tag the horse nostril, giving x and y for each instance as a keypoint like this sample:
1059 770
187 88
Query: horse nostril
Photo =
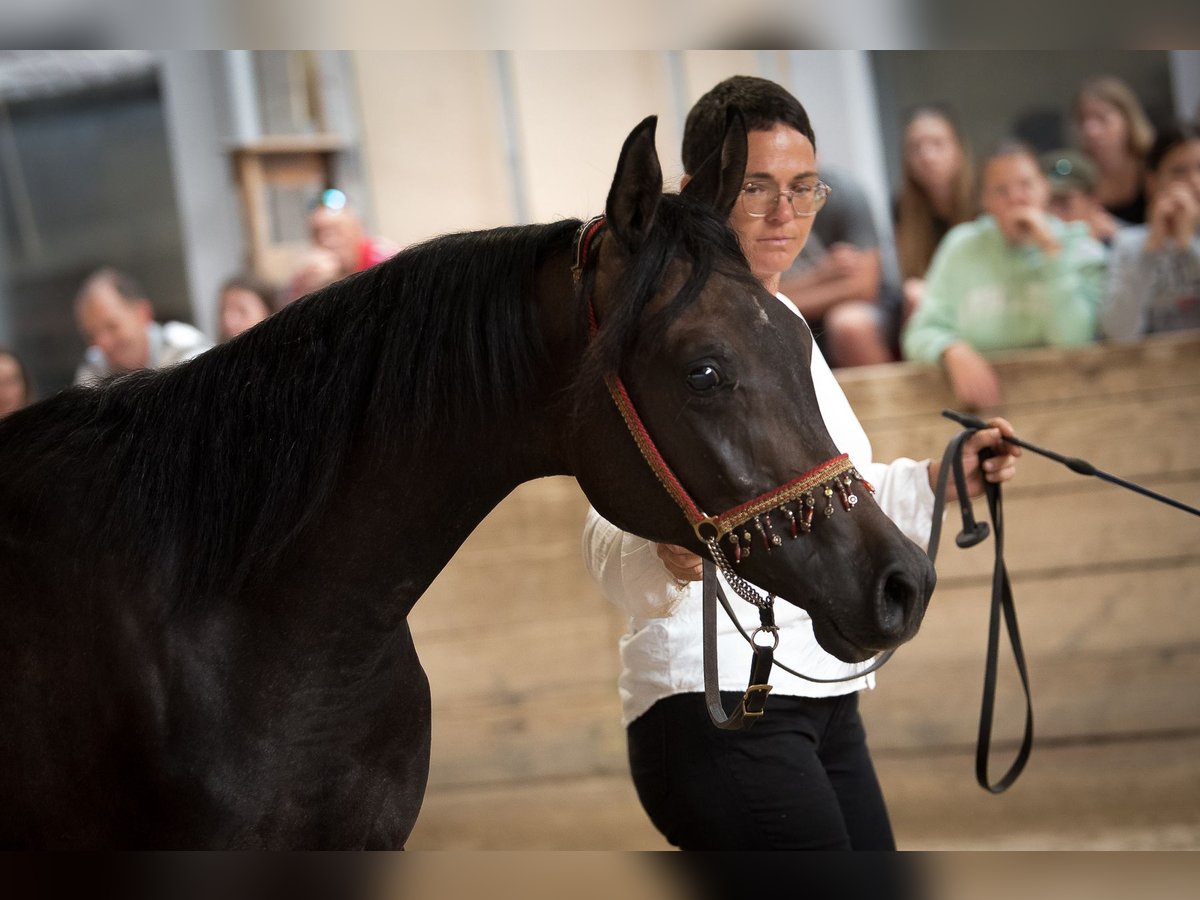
898 599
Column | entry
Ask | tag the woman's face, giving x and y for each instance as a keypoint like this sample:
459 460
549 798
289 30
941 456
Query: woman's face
241 309
1103 131
932 153
778 160
13 391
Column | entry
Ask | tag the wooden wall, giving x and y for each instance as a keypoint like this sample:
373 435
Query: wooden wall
521 647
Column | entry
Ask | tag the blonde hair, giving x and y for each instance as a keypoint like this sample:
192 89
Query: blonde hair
917 234
1117 93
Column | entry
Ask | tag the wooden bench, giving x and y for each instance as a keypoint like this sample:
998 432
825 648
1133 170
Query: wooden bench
520 646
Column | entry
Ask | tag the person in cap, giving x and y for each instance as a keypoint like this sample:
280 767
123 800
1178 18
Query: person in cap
1073 193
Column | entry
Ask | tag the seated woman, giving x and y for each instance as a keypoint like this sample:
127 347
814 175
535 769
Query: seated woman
1115 133
1014 277
1155 270
937 193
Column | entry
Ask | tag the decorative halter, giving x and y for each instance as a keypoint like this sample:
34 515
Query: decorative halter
795 501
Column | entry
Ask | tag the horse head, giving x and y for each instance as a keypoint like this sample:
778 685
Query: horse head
714 439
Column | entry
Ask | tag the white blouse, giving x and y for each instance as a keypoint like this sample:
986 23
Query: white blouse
662 652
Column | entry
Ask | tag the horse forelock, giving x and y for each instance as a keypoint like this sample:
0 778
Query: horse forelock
202 474
684 232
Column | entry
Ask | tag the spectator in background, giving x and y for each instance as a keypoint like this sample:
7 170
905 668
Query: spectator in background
242 302
340 245
1115 133
16 391
1154 283
117 319
1073 197
1015 277
837 281
937 193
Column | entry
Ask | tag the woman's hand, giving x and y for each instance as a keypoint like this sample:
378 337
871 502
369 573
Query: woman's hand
1174 218
1029 225
1000 467
682 564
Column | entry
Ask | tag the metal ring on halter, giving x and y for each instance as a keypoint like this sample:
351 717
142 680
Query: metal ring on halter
774 634
707 520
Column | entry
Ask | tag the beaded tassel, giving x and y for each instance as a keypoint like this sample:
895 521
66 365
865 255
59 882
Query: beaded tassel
828 501
793 528
855 474
762 533
737 547
776 541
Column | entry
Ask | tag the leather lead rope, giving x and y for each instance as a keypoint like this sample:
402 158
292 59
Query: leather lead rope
1002 602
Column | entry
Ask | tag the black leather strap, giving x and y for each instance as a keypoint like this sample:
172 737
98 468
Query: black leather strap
1002 601
754 699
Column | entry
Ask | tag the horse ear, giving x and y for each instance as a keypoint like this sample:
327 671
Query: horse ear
636 188
718 181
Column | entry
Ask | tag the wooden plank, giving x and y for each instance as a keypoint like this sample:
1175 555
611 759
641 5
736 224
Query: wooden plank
1081 697
1055 376
563 731
1122 795
1093 526
1137 794
498 664
1137 609
1133 438
593 813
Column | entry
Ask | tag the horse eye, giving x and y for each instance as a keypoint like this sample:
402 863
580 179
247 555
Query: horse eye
704 378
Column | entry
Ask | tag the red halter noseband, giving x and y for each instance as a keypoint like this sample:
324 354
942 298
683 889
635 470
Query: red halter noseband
833 475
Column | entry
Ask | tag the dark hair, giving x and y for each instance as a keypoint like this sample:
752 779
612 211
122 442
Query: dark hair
1168 139
919 228
127 287
762 103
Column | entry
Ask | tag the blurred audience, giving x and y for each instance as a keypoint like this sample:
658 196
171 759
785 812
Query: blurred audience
837 280
340 245
1014 277
243 301
1073 198
16 390
1155 270
117 319
1115 133
937 192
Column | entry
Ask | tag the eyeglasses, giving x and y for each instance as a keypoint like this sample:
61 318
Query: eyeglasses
760 199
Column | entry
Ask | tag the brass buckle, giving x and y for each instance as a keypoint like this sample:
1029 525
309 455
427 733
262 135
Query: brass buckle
759 698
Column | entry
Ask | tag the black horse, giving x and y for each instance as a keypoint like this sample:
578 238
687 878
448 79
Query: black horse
205 571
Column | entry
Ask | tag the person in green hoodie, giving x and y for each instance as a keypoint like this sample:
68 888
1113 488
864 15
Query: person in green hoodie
1015 277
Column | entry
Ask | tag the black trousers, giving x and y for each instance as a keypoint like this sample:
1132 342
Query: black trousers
800 778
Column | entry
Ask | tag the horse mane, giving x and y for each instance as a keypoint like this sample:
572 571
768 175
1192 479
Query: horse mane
202 474
208 470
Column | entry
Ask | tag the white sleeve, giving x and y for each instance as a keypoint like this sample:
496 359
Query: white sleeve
902 491
628 570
